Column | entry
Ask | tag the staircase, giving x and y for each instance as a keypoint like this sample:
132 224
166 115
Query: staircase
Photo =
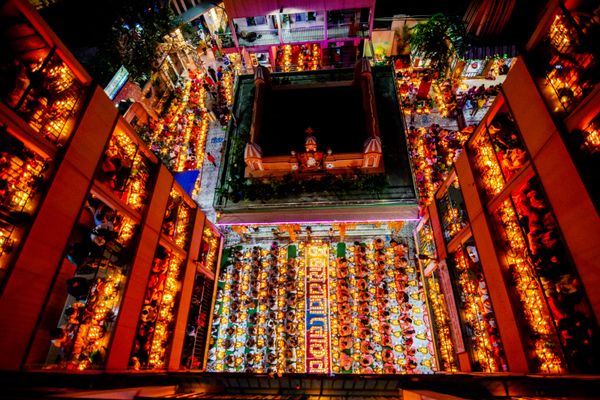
202 318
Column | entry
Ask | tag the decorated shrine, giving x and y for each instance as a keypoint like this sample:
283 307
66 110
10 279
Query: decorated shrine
265 158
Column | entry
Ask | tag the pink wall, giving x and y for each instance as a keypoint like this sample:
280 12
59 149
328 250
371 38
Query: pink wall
245 8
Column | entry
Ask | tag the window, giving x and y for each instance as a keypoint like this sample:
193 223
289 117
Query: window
253 21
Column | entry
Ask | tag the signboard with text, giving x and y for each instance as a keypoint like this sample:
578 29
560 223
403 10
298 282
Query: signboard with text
117 82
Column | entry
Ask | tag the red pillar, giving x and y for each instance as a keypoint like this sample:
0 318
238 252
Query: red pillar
120 350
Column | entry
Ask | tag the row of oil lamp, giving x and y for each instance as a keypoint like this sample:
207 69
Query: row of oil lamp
156 320
378 321
50 118
487 166
126 149
305 57
441 324
529 292
92 336
477 314
433 151
453 218
87 330
259 313
177 222
165 314
213 241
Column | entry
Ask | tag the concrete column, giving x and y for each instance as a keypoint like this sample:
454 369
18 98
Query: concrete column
573 208
127 322
177 9
33 275
503 309
174 362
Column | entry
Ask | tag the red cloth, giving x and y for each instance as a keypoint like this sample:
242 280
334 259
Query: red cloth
424 87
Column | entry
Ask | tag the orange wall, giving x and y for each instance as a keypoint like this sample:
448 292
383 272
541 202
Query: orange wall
33 274
578 220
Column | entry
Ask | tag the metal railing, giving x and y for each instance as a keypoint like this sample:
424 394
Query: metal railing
303 34
258 38
345 30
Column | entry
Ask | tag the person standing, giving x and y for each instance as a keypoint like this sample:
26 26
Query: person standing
213 73
211 158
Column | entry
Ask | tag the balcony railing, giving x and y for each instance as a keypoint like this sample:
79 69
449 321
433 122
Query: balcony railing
347 30
37 83
304 34
258 38
22 176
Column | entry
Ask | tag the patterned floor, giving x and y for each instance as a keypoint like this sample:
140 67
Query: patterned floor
377 319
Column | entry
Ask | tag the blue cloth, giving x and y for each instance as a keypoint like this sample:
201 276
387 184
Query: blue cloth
187 180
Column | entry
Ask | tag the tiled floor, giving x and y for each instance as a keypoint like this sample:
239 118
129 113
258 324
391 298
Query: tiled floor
214 142
264 39
209 172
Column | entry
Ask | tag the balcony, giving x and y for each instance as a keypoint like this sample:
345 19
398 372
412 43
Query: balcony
348 23
37 84
564 57
303 34
257 31
258 37
303 27
22 176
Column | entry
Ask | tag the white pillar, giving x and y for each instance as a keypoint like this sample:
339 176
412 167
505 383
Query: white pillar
174 3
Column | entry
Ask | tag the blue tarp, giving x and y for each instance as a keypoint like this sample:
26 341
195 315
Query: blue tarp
187 180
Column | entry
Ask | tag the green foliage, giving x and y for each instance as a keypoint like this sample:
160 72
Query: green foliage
439 40
189 34
403 39
138 27
294 186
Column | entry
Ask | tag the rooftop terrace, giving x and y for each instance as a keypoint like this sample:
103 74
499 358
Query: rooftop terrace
385 196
